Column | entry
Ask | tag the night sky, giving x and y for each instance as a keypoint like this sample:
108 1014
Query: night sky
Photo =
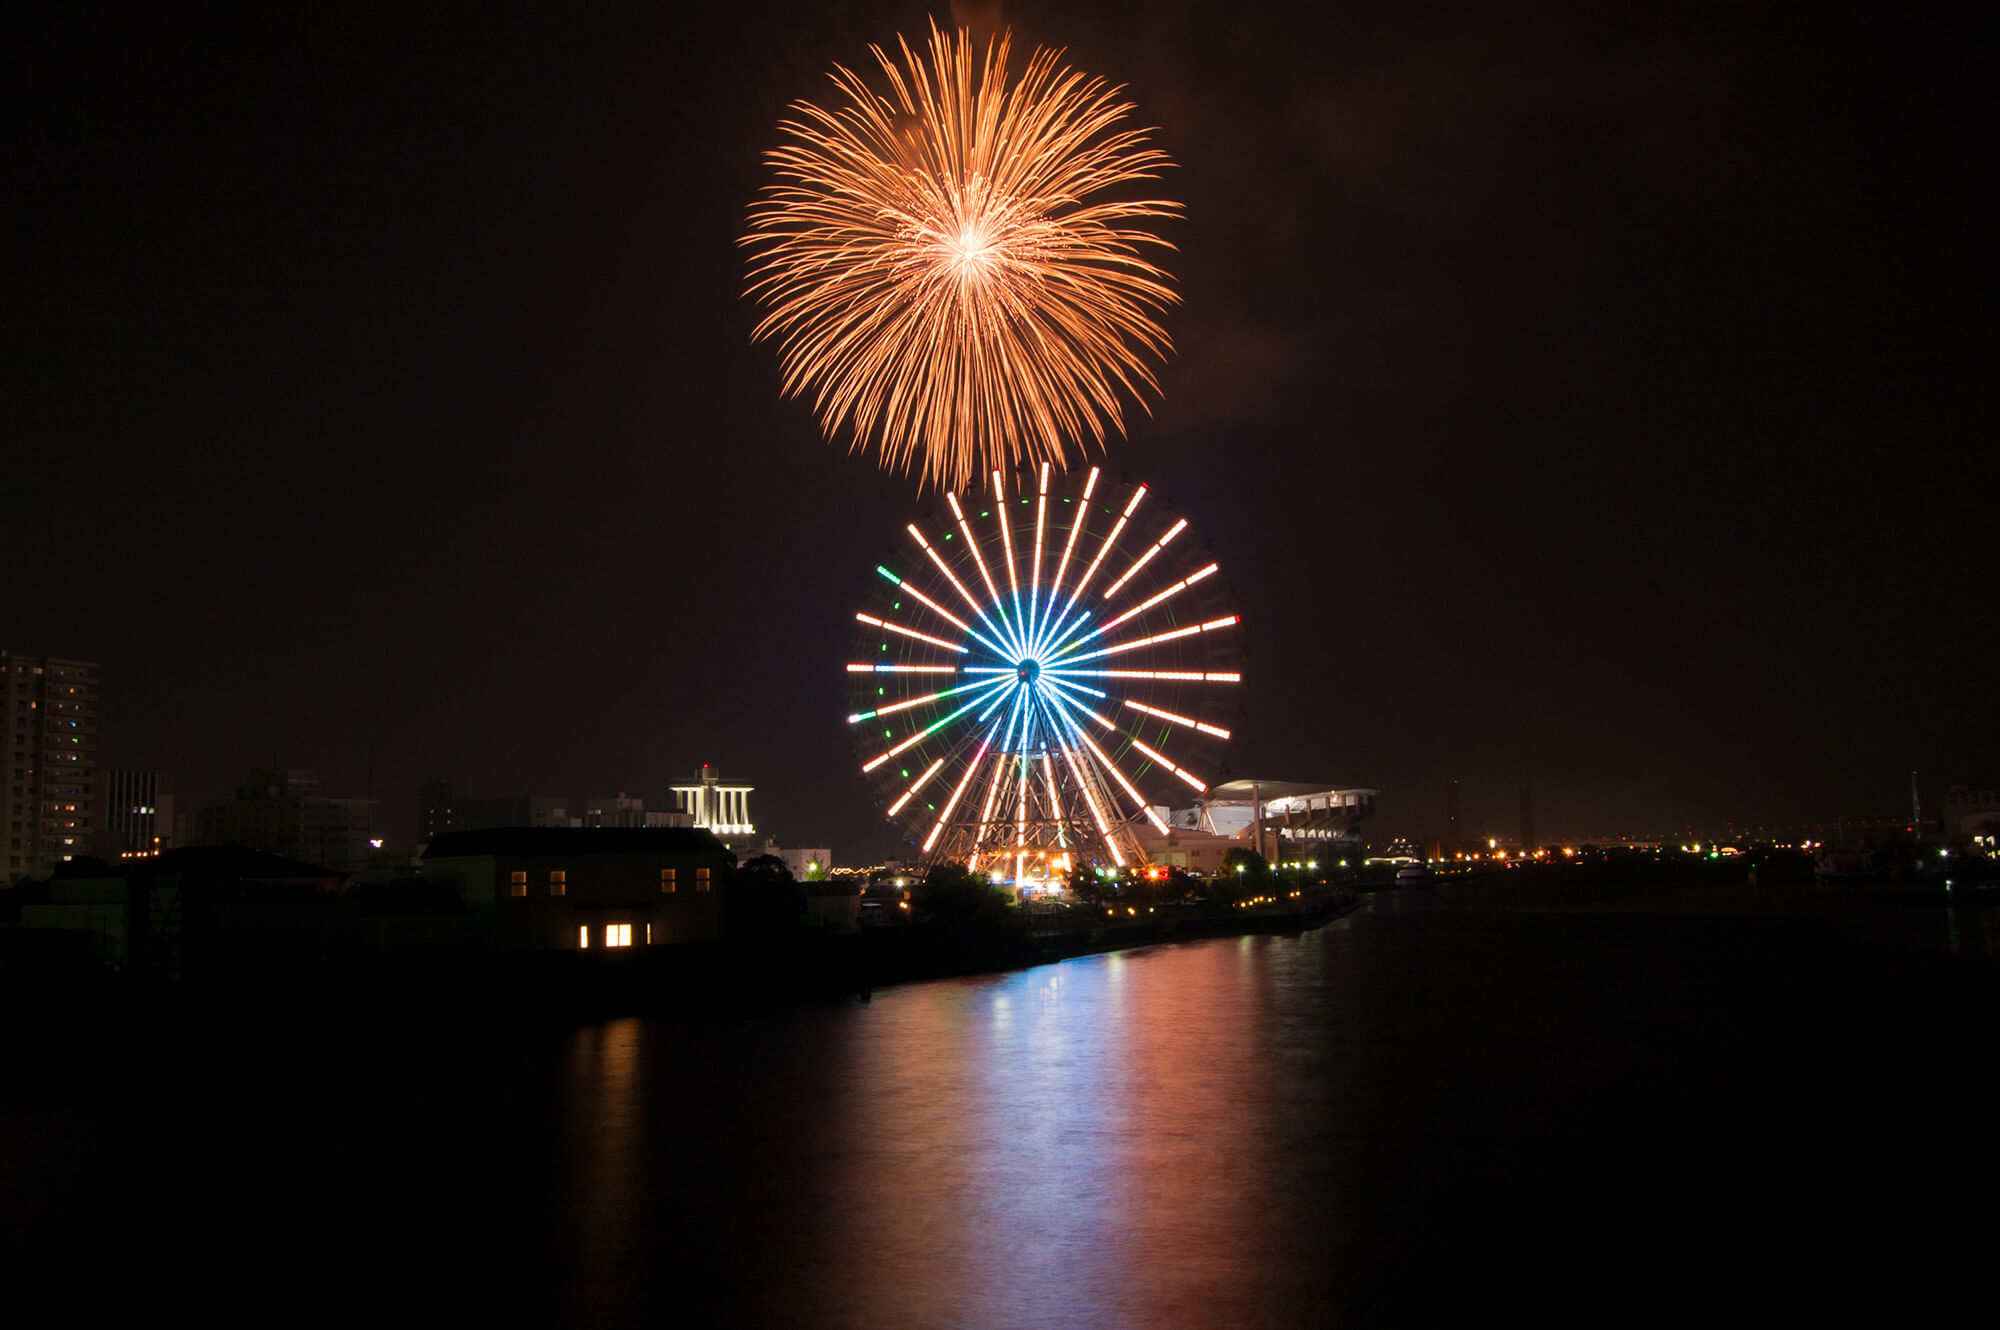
1591 396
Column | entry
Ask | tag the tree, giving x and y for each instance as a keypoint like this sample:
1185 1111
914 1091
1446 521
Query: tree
763 898
1085 885
765 868
1240 862
955 898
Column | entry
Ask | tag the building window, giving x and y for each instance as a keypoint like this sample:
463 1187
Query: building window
517 882
558 882
667 880
618 935
701 879
649 935
583 935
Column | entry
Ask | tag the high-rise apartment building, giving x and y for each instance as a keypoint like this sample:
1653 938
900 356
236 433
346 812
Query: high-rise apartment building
283 812
135 815
48 744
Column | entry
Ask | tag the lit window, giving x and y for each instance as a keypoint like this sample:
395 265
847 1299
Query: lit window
701 879
618 935
583 935
649 935
558 882
517 882
667 880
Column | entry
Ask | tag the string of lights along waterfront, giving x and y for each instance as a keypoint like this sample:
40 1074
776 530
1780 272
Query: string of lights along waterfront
1038 669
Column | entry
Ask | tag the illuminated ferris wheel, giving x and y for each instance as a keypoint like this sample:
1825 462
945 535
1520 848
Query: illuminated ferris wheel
1038 671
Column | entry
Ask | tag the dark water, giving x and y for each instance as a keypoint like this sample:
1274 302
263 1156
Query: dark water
1514 1105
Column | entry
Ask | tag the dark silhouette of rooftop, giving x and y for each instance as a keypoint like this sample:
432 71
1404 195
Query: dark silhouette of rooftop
576 840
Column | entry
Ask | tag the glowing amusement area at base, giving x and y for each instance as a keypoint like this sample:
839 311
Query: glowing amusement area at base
1040 670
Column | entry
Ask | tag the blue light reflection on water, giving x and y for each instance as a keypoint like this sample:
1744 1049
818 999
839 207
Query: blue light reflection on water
1074 1137
1424 1111
1105 1141
1398 1117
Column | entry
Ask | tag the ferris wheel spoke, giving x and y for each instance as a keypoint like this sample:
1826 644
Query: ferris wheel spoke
980 830
993 704
1052 729
1016 717
1056 678
903 669
1164 761
1124 782
918 784
1118 775
1026 782
1173 676
1157 599
935 608
1188 721
1090 801
1000 763
919 736
957 793
1007 548
938 559
1035 564
1049 620
1104 549
1072 708
1064 629
904 705
1145 558
912 633
1055 797
1008 633
1226 621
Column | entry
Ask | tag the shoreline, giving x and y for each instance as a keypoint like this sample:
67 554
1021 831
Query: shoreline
91 1027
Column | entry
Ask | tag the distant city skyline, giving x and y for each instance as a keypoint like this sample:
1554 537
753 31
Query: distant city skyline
1585 398
1499 814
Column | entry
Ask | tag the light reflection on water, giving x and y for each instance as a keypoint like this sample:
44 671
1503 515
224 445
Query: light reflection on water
1095 1143
1072 1137
599 1205
1102 1141
1601 1110
1409 1115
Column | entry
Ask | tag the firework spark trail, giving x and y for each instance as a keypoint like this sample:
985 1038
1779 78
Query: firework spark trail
937 277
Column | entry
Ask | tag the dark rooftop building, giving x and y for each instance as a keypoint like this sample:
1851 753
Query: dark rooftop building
549 888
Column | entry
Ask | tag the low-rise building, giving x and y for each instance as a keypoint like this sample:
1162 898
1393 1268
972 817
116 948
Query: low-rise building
1281 821
88 897
1971 814
832 904
553 888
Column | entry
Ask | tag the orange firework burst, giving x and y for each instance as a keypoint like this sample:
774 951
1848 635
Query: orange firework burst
941 271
